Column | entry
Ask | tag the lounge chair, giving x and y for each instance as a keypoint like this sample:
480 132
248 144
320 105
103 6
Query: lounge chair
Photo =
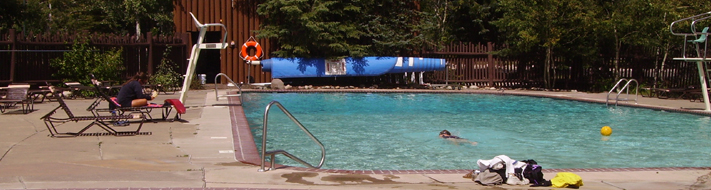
51 120
665 93
39 94
17 94
115 107
77 89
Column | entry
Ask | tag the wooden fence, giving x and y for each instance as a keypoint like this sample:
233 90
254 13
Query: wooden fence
26 58
475 64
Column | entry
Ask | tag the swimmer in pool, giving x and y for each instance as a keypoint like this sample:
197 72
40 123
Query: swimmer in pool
447 135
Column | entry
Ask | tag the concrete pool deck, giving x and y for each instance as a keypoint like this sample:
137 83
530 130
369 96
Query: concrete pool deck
213 152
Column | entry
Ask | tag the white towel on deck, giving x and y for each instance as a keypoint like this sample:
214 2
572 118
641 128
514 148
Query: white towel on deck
510 164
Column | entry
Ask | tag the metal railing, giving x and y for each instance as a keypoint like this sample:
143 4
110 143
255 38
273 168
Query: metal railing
625 89
274 152
694 19
217 96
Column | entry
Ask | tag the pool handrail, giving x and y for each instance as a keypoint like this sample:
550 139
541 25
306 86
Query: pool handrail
217 97
625 88
264 153
694 19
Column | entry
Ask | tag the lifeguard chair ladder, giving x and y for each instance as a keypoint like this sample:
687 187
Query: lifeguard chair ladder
699 40
200 45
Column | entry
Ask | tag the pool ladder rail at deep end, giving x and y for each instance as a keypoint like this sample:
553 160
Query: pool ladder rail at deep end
626 89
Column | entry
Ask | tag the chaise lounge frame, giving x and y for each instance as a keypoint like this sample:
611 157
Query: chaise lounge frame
51 121
115 107
17 94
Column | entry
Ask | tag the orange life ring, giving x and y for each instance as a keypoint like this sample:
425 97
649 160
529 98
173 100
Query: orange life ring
246 56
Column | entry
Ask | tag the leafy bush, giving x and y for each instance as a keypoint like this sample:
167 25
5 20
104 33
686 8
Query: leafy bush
82 60
195 83
166 75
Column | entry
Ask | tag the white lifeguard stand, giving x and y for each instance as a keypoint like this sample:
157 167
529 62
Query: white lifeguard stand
699 39
200 45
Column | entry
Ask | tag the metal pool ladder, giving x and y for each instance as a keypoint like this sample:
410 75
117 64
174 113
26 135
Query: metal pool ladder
274 152
217 96
625 89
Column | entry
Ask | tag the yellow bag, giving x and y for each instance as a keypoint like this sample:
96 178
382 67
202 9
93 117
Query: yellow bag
566 179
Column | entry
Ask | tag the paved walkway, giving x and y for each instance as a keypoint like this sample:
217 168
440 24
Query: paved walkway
204 153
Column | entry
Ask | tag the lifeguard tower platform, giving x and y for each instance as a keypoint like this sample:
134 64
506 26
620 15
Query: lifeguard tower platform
697 39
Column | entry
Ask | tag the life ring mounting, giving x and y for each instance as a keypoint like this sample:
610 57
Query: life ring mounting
244 53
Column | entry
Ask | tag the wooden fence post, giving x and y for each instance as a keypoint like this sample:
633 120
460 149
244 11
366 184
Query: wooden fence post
490 59
149 38
13 54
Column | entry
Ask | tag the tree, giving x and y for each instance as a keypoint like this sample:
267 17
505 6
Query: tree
660 38
544 27
628 23
322 28
70 16
9 12
135 16
459 20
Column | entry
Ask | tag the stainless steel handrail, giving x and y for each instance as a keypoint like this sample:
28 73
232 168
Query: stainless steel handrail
624 88
273 153
694 19
233 83
671 26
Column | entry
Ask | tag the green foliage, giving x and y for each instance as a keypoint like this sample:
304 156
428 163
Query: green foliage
195 83
83 59
22 15
443 22
471 21
166 75
332 29
67 16
137 16
602 85
9 13
546 28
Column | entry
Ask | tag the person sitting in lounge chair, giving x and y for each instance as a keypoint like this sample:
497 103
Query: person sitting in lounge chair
447 135
131 93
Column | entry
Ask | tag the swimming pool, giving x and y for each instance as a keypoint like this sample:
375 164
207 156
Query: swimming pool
398 131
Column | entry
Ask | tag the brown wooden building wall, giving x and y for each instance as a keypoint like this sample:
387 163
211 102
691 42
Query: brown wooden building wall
241 20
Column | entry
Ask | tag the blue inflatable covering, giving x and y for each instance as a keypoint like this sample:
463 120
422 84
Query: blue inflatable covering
366 66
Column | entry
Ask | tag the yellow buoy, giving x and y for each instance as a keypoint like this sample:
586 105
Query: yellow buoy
606 131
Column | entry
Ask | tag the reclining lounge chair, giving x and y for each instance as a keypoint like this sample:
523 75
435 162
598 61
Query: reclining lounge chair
17 94
51 120
114 107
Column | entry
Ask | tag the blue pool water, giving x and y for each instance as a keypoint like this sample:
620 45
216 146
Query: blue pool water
398 131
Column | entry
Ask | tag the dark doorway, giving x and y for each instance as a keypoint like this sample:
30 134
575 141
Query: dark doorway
209 61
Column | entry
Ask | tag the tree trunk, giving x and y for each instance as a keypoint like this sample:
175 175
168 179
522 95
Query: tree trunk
616 62
138 30
661 68
547 69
